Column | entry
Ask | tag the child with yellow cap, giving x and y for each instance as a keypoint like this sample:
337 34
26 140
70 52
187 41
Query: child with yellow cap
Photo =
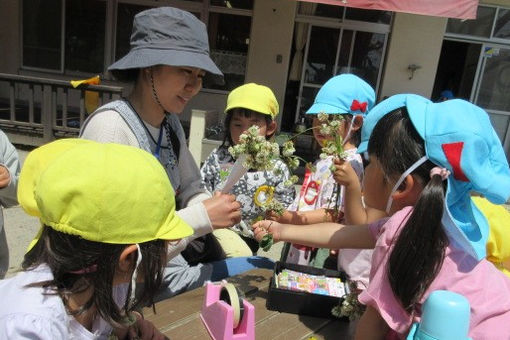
80 272
247 105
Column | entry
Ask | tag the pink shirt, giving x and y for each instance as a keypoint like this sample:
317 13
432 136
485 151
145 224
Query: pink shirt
486 288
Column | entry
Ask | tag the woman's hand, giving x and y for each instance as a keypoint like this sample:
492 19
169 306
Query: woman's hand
344 173
223 210
264 227
5 177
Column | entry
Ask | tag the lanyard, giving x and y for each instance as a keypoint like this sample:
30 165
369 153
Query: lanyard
158 145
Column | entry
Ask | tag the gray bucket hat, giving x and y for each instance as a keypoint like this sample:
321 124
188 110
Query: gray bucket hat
168 36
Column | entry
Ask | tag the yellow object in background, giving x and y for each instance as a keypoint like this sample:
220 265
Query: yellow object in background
91 97
498 244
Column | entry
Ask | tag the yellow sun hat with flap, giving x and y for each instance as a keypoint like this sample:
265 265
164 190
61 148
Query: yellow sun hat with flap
108 193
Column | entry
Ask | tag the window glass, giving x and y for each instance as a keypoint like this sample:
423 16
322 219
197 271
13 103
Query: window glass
307 98
367 15
495 84
241 4
321 54
367 56
480 27
502 29
85 34
229 39
42 33
125 15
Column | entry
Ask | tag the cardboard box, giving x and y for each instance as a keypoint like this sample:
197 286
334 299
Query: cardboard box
298 302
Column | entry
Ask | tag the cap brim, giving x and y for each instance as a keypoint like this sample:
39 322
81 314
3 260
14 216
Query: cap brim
175 228
144 57
317 108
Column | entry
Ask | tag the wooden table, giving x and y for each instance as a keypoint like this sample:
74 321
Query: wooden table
179 317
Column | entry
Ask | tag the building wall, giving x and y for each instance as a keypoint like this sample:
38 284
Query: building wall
414 39
272 33
268 57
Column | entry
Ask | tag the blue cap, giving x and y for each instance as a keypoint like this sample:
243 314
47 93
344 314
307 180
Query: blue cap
459 136
379 111
344 94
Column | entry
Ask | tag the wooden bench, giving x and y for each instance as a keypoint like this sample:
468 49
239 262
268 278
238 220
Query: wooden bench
179 317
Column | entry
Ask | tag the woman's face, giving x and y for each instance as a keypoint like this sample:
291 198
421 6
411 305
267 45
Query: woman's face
240 123
376 188
176 85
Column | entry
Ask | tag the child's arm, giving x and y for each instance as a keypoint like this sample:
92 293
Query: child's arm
354 210
371 326
304 217
323 235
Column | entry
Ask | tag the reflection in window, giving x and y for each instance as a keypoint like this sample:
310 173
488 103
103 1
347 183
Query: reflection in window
495 85
84 39
229 38
321 54
502 29
480 27
41 33
367 56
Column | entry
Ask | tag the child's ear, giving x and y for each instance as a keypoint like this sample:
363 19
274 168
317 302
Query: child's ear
127 258
357 122
408 192
271 128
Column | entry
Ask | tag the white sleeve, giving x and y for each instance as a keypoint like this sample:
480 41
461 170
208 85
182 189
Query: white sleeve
109 127
30 327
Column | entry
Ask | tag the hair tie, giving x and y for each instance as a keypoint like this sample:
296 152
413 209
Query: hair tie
443 172
87 270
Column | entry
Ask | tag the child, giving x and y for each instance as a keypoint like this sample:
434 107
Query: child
435 238
9 172
103 229
247 105
498 244
351 97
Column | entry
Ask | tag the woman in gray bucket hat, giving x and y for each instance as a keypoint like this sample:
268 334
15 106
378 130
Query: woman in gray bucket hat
168 59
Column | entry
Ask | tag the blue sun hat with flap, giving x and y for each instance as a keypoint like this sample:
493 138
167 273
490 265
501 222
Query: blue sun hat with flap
344 94
458 136
379 111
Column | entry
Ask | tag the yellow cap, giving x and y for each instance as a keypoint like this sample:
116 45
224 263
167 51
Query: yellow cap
107 193
254 97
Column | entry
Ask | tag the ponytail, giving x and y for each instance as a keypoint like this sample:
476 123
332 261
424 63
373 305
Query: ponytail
418 253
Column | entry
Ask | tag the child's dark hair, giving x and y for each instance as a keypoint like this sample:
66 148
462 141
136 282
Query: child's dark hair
227 139
64 253
355 136
418 252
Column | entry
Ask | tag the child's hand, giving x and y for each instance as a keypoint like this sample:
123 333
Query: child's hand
344 173
286 217
5 177
262 228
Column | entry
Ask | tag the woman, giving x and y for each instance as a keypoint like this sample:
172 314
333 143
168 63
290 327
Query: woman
168 60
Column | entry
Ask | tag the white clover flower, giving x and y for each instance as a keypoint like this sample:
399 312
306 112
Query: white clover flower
322 117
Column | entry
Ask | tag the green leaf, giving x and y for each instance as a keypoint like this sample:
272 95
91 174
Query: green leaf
266 242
